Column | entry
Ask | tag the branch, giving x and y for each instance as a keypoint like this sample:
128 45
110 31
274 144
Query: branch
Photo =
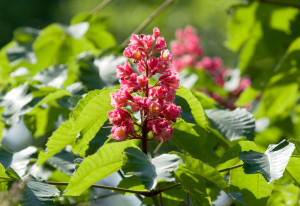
148 20
97 9
230 168
277 3
146 193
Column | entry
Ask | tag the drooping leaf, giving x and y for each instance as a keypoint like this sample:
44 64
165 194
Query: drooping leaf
193 106
232 124
150 171
270 164
107 160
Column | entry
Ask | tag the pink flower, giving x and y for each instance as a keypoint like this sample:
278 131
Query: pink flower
118 115
120 98
124 72
156 32
161 129
160 44
131 84
122 131
170 79
172 112
244 84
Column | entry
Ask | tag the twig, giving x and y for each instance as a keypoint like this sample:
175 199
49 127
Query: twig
97 9
230 168
148 20
157 148
277 3
146 193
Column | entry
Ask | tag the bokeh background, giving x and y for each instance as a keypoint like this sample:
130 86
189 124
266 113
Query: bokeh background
208 17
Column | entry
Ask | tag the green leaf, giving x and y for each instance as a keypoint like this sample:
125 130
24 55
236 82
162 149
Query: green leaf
206 101
3 175
192 105
132 183
198 167
6 156
186 138
63 161
39 193
62 137
291 174
254 188
150 171
270 164
232 124
90 114
195 185
283 195
246 97
107 160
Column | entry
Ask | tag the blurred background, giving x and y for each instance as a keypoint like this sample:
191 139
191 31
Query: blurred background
208 17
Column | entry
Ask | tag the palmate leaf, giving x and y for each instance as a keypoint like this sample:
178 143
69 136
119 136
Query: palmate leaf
88 116
270 164
232 124
190 104
107 160
150 171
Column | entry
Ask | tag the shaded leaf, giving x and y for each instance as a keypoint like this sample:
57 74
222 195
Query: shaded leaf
270 164
232 124
150 171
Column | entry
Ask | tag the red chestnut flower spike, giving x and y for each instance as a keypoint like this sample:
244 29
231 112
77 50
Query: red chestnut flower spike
154 102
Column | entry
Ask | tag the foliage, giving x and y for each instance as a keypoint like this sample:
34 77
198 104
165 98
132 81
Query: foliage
234 135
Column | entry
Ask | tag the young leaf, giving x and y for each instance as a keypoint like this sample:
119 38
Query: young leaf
232 124
194 106
107 160
150 171
270 164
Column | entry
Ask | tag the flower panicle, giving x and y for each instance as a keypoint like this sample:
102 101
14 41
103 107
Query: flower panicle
154 102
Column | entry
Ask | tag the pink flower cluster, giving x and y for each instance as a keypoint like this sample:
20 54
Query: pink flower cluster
185 48
153 102
187 52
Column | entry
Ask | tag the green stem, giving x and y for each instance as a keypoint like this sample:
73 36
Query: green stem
148 20
230 168
157 148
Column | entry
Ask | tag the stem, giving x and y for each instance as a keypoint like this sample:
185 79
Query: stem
147 193
98 8
230 168
157 148
277 3
144 136
148 20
